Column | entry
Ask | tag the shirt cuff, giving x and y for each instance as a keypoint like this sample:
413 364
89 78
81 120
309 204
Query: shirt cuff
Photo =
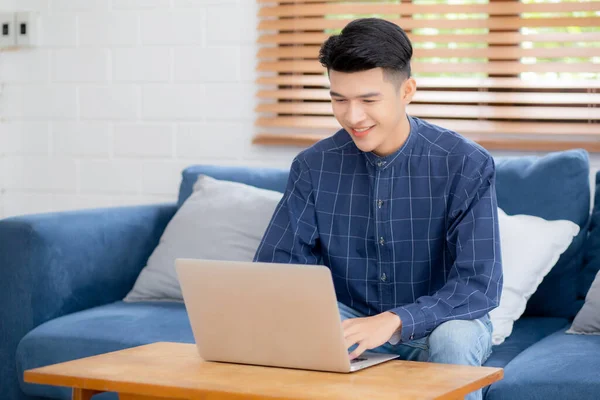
415 323
395 339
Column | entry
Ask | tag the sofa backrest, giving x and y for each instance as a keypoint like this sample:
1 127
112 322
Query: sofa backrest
591 262
264 178
553 186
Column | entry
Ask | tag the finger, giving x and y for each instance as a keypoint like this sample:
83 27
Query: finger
352 340
348 322
351 330
358 351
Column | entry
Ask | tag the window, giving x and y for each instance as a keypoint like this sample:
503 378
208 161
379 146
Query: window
517 75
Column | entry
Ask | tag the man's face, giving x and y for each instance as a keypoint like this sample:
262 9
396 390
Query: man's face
371 109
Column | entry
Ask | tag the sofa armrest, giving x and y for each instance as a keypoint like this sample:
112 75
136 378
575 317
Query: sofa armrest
59 263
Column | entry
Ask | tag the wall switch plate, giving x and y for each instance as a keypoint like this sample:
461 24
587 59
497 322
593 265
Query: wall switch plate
7 30
24 28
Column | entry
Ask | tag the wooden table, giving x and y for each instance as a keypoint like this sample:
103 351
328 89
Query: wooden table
175 371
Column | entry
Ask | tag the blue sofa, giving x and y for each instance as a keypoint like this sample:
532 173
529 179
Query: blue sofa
63 275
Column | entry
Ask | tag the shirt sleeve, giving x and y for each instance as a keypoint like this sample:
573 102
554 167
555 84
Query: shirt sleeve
291 236
474 281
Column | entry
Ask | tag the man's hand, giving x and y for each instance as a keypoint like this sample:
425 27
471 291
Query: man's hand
370 332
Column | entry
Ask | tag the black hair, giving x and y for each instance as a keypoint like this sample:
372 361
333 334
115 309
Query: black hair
368 43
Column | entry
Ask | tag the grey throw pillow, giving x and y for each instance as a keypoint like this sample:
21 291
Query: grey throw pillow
587 320
221 220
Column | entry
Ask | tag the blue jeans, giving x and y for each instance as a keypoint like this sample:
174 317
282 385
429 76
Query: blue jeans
466 342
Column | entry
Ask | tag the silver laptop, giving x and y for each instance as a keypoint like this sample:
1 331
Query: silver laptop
279 315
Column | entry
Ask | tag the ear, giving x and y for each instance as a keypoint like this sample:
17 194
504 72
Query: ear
408 90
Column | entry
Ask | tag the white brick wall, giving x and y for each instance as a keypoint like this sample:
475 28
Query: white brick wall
119 96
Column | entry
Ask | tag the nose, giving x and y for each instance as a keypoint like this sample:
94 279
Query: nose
354 114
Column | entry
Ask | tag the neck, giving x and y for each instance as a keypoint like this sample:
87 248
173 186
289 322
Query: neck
396 140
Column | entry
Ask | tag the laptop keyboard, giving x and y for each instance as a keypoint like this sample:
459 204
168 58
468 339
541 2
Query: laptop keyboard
358 359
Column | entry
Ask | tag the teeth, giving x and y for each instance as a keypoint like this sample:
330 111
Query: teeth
362 129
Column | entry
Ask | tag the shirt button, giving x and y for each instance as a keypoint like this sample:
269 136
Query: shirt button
383 277
379 203
380 163
412 337
381 241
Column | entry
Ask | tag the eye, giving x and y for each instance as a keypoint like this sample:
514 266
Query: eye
369 101
339 100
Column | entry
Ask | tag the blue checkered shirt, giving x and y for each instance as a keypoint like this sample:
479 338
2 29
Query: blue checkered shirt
414 233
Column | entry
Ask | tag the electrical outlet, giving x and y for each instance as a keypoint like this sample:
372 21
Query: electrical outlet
24 28
7 30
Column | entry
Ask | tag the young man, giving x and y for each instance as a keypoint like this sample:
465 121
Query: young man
403 212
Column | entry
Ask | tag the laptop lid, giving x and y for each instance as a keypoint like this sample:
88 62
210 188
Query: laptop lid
269 314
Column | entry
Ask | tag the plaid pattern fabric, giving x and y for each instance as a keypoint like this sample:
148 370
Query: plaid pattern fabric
414 233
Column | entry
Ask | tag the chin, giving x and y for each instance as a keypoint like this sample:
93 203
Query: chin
364 145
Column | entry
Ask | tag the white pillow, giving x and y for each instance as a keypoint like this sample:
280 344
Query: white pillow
221 220
531 246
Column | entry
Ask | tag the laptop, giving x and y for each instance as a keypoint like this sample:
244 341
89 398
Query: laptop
278 315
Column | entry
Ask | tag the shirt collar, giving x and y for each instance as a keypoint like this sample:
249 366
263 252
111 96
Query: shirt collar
386 161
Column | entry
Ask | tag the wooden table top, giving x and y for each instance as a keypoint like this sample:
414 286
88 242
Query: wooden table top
176 371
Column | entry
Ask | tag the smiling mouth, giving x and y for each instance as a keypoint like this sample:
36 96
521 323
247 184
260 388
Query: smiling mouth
360 132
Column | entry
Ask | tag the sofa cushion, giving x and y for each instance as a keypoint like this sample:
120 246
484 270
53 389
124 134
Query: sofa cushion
526 331
99 330
264 178
221 220
560 366
553 186
587 321
531 246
